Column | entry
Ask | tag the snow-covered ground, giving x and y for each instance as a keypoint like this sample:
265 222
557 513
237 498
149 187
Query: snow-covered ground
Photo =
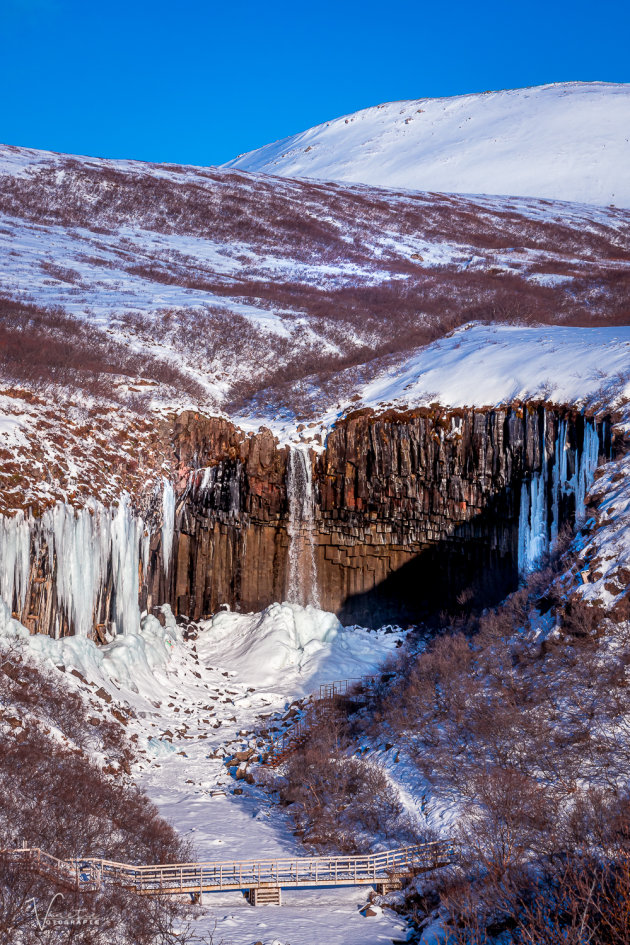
482 365
196 702
606 552
567 141
479 365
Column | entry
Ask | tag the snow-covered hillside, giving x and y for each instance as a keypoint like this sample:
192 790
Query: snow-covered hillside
567 141
486 365
130 289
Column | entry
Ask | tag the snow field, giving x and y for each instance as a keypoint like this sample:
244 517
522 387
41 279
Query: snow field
566 141
194 703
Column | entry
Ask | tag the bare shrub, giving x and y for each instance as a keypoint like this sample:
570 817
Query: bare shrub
57 797
43 347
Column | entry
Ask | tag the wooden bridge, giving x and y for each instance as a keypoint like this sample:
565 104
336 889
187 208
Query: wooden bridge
263 880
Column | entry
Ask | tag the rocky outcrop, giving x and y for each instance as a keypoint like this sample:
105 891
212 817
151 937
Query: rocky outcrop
397 517
413 512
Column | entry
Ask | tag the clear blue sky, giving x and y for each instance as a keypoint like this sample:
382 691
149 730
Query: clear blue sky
199 82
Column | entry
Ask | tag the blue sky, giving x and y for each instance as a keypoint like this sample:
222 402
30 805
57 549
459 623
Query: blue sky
199 82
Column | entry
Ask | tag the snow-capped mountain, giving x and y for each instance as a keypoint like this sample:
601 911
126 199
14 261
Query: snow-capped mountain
566 141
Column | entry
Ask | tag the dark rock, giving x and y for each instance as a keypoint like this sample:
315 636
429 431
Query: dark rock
415 512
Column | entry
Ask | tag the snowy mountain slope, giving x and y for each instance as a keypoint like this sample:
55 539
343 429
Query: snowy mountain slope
130 289
567 141
165 263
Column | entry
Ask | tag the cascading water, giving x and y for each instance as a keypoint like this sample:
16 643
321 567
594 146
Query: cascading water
572 474
302 571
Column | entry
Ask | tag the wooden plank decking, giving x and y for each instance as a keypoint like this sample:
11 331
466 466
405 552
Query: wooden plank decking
205 877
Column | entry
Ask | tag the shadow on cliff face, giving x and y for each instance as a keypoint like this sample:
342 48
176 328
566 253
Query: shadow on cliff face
476 567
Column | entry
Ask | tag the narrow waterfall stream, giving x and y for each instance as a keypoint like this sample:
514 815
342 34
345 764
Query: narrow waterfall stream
302 570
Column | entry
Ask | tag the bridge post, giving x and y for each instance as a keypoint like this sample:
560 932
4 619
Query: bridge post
265 896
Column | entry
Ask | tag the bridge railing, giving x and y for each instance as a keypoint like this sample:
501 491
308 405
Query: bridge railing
91 872
342 687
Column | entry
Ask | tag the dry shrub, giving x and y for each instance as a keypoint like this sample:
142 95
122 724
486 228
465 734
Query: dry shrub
56 796
44 347
337 802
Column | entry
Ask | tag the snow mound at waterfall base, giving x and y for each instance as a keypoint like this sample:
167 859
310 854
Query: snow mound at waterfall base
129 662
301 646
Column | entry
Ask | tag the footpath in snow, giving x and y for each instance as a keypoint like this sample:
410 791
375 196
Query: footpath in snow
197 701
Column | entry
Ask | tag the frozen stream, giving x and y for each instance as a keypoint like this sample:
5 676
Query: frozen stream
197 701
281 655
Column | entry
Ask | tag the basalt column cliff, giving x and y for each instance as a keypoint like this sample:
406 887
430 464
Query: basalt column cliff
399 516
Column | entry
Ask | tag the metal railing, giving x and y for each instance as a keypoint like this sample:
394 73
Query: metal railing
297 730
343 687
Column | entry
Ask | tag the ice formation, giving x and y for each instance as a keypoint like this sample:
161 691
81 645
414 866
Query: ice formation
572 474
168 523
130 660
83 547
15 556
302 571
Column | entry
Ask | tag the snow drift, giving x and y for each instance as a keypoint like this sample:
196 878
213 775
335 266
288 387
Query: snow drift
302 646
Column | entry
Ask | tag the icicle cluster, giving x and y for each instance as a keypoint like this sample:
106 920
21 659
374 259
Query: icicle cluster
302 585
168 523
86 548
572 474
15 558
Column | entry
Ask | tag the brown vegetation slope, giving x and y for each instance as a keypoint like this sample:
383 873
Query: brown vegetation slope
224 283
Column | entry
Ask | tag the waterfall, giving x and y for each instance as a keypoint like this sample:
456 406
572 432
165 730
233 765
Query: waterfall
572 474
302 571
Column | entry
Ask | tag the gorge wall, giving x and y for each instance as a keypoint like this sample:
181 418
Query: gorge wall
398 517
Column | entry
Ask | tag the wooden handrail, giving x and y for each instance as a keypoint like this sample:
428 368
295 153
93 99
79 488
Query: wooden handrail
184 877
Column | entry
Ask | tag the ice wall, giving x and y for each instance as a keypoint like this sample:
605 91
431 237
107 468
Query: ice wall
572 473
15 558
88 558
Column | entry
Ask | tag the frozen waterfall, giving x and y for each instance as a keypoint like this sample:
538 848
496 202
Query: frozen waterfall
168 523
571 475
302 571
86 551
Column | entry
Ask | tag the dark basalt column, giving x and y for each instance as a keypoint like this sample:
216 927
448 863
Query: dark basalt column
414 512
